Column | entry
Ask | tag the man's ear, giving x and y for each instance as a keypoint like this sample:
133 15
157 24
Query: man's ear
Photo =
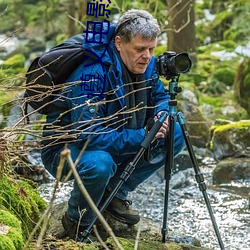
118 42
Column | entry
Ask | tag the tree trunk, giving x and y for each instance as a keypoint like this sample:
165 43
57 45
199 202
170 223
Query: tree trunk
181 27
71 6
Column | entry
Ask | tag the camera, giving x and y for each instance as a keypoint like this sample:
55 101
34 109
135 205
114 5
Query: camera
171 65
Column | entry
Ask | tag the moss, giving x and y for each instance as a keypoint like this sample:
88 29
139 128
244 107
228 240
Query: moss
128 244
238 128
16 61
225 75
10 220
6 243
236 125
22 200
13 239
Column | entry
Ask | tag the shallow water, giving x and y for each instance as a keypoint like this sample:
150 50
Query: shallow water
187 212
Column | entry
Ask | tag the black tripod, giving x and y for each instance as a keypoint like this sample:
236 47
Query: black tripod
129 168
173 90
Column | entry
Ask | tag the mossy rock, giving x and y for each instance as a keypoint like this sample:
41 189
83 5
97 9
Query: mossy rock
22 200
219 107
10 231
232 139
128 244
197 125
231 169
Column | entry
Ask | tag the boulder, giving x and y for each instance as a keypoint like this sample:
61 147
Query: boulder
230 140
231 169
150 235
197 125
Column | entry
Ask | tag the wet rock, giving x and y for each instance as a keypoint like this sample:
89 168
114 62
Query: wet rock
150 234
231 169
232 139
197 125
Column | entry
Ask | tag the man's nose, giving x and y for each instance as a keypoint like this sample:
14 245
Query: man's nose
146 54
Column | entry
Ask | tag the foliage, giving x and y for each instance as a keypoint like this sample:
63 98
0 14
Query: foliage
22 200
228 23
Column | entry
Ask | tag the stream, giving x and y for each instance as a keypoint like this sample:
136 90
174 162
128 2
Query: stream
187 212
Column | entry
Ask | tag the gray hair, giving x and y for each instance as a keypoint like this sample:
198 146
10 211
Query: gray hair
137 22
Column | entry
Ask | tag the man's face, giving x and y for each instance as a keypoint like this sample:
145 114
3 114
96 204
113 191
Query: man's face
137 53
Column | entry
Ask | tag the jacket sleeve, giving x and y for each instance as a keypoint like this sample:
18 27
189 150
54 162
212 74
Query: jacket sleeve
89 124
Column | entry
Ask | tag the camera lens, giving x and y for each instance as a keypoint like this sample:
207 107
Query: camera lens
182 63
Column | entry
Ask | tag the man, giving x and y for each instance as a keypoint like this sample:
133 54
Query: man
111 125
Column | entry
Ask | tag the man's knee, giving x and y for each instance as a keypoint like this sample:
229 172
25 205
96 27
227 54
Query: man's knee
97 165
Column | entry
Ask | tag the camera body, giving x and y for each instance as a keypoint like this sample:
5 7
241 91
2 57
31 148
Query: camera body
171 65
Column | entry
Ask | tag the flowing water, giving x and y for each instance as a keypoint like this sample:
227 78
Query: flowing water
187 212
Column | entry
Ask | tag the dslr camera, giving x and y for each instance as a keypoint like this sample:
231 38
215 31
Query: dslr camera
171 65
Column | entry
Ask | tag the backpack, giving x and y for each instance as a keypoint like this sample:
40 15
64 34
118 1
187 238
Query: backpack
48 73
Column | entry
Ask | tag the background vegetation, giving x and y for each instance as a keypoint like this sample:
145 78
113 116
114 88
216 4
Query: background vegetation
214 33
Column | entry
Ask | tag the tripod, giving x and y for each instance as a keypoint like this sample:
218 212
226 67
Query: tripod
173 90
169 163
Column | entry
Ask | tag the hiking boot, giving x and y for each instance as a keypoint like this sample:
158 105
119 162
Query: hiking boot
75 231
121 211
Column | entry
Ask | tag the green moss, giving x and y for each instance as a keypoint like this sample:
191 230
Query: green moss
128 244
16 237
212 100
225 75
17 61
13 238
236 125
9 219
6 243
239 128
22 200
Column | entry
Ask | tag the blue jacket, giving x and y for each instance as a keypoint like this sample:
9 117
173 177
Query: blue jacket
99 118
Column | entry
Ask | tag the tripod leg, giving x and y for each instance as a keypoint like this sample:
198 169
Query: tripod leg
168 173
129 168
199 177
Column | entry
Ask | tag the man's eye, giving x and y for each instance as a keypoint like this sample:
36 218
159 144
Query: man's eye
139 49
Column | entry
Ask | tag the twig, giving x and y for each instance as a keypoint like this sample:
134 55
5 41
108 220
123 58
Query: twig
45 217
99 238
137 236
66 154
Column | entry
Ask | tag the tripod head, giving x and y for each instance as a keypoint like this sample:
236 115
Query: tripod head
171 65
174 89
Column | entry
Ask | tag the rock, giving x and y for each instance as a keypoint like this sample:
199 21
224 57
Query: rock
197 125
231 169
229 140
149 238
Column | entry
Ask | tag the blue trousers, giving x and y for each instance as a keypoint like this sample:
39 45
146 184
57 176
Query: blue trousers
100 170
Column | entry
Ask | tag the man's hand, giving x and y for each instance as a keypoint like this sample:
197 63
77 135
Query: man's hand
164 128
